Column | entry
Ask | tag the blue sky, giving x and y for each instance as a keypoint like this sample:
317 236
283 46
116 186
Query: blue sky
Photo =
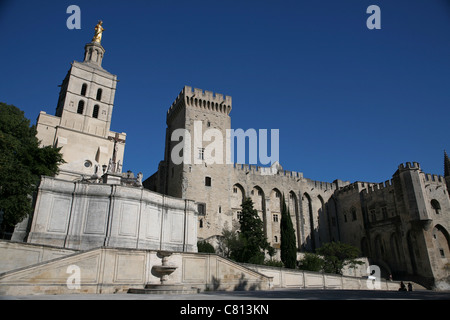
350 103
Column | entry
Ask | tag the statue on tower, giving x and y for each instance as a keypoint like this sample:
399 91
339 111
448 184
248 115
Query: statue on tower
98 32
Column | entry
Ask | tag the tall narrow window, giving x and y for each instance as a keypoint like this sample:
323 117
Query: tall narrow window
95 112
99 94
208 181
201 153
83 89
201 208
80 107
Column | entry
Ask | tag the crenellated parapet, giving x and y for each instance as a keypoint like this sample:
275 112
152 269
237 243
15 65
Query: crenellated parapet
267 171
433 178
198 98
285 175
409 165
382 186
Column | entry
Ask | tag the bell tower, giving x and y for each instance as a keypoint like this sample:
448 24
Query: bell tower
81 125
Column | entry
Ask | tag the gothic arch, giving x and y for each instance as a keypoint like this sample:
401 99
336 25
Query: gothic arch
275 218
322 219
275 200
309 228
294 210
237 196
257 195
442 241
259 204
333 221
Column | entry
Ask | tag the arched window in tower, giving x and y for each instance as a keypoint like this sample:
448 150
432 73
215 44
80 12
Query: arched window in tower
99 94
83 89
80 108
95 112
436 206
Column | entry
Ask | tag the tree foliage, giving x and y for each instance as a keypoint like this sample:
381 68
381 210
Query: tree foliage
205 247
288 247
22 162
252 241
336 255
311 262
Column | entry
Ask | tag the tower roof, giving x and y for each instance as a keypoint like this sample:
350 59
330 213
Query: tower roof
446 165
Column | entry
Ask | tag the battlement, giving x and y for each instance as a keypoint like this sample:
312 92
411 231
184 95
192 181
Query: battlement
276 173
366 187
408 165
382 186
430 178
267 171
206 100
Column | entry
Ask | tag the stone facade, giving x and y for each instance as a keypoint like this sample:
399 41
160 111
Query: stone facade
81 124
82 216
402 224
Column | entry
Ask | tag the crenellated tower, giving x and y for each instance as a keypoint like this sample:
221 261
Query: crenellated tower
195 120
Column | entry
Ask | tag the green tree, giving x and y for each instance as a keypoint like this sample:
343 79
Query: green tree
336 255
228 242
311 262
22 162
252 242
288 249
206 247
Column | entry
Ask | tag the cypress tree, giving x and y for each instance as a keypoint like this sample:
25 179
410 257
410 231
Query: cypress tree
287 247
252 240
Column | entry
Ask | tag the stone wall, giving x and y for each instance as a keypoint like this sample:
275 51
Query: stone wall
115 270
80 215
291 278
18 255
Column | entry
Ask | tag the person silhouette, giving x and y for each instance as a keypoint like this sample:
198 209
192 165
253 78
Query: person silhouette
402 286
409 286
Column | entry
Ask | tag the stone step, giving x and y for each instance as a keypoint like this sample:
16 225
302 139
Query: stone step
163 289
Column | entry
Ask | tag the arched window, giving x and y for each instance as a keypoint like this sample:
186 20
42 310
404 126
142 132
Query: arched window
99 94
436 206
95 112
83 89
80 107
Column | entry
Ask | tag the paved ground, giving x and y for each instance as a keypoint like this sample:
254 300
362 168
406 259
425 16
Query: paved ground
280 294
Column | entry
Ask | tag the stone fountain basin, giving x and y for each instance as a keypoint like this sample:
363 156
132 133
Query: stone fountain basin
166 270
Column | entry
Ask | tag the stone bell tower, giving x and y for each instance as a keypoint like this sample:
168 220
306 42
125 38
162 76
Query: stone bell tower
81 124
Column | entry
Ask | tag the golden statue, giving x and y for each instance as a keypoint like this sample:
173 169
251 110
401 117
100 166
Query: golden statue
98 32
